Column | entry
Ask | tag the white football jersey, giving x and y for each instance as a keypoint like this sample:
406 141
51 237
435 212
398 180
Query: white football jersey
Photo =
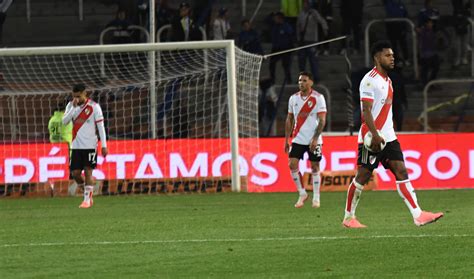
378 89
85 119
305 111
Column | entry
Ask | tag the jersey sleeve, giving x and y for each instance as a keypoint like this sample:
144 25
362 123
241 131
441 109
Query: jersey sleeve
98 115
366 90
290 105
321 107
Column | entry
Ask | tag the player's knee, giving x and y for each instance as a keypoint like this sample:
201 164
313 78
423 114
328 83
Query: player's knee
77 177
293 165
363 176
401 175
315 169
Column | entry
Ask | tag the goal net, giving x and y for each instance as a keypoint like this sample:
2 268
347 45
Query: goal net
172 125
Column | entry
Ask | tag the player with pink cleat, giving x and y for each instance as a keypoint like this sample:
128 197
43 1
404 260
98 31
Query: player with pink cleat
353 223
426 218
88 201
86 116
376 96
304 124
301 201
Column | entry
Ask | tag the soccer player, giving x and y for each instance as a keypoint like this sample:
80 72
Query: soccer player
57 131
305 122
85 115
376 95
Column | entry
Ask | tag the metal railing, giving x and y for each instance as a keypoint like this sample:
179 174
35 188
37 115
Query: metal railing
424 114
168 26
349 98
471 42
113 28
413 37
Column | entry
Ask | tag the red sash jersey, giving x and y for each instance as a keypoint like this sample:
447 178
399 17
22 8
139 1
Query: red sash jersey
84 119
306 111
378 89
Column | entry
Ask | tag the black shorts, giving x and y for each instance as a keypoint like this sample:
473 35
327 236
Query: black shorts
298 150
370 160
81 158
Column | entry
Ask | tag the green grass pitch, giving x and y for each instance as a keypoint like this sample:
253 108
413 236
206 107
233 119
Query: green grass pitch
235 235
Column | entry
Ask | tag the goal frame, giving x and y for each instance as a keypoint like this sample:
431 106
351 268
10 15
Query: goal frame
228 45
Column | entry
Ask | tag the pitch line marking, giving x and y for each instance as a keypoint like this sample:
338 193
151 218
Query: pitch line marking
310 238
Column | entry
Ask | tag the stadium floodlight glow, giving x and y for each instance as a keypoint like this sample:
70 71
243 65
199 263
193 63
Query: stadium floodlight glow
192 90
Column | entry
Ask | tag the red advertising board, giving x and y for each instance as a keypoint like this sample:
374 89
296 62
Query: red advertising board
434 161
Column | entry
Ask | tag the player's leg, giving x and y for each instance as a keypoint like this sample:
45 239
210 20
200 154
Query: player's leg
406 191
315 157
296 153
75 168
89 188
367 162
89 160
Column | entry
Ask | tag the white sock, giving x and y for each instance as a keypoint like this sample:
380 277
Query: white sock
406 191
87 193
297 179
353 195
316 186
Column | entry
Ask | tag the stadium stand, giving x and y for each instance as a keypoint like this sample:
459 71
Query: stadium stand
55 22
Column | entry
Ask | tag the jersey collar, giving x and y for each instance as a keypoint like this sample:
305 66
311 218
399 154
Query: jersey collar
380 74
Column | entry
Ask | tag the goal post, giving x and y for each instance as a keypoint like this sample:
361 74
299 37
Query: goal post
208 89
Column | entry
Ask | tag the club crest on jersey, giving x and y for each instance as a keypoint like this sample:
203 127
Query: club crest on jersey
310 104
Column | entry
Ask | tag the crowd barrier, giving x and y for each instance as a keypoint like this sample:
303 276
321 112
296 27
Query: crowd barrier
434 161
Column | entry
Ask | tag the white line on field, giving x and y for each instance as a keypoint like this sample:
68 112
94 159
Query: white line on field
308 238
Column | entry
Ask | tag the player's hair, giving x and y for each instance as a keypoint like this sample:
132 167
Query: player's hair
379 46
308 74
78 87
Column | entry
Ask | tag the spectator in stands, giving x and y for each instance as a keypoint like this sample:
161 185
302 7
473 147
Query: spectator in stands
282 39
429 58
221 26
324 7
4 5
396 31
351 13
266 29
428 12
183 27
131 8
461 13
121 35
291 9
400 102
249 40
203 11
307 33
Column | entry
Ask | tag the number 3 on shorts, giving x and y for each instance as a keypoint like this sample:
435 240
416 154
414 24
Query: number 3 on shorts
92 156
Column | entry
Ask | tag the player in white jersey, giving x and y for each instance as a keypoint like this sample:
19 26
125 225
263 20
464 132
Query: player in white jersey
305 123
376 95
86 116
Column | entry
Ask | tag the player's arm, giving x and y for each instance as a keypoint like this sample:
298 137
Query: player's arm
99 121
318 131
70 113
369 121
289 125
321 111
